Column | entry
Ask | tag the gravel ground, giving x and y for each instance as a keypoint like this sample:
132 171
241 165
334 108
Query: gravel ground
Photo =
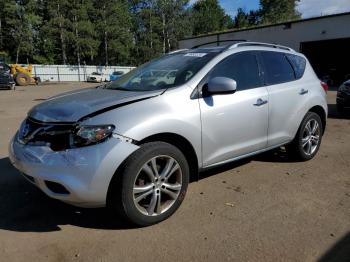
265 208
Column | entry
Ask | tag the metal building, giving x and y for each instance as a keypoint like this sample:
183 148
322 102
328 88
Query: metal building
324 40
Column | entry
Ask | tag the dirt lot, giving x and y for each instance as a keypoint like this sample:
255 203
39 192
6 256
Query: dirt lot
262 209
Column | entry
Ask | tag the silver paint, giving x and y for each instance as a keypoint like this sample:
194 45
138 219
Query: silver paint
220 128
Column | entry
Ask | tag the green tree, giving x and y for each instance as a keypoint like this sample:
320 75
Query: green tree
56 32
22 25
208 16
173 18
113 22
84 36
2 21
254 17
274 11
146 30
241 19
247 19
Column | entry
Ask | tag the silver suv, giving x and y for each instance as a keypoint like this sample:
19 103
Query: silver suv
135 144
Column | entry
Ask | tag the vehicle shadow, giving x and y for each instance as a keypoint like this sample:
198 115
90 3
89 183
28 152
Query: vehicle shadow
223 168
340 252
24 208
278 155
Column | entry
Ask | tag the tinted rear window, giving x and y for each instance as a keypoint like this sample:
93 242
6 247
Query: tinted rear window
277 68
298 63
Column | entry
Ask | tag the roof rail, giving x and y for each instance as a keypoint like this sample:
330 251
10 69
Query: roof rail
219 41
177 51
261 44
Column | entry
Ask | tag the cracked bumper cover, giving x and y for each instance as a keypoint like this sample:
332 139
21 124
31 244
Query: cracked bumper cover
85 172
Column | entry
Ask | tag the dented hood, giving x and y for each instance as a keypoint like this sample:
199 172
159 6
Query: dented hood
75 105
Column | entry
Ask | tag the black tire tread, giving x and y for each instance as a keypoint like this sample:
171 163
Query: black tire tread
294 150
117 197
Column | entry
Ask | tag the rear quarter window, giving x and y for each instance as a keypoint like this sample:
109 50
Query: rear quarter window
298 63
277 68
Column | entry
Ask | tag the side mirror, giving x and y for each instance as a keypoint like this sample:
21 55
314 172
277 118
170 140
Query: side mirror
221 85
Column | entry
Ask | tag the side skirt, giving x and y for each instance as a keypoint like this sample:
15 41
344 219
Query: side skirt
241 157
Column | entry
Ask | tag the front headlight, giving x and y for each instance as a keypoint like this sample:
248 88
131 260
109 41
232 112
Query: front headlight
89 135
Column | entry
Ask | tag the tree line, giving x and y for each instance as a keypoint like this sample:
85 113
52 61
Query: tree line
117 32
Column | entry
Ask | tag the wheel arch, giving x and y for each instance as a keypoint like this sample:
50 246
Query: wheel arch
321 112
174 139
182 144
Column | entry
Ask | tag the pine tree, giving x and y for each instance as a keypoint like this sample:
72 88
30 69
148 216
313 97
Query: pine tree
57 30
172 15
147 30
113 22
274 11
22 25
208 16
84 35
247 19
241 19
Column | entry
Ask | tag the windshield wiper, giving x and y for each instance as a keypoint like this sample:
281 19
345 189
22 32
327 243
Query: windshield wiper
119 88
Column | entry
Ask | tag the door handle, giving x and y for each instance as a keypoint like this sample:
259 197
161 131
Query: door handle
260 102
303 91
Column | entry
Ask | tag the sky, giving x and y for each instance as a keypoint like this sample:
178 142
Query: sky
307 8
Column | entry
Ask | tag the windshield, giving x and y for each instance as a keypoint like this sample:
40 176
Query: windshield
167 71
95 74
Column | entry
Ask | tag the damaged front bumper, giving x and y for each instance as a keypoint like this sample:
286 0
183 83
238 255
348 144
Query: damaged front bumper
78 176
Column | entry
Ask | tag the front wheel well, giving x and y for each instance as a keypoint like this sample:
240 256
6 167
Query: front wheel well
321 112
182 144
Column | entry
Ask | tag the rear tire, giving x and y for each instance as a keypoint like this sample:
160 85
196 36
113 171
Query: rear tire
308 139
151 184
22 79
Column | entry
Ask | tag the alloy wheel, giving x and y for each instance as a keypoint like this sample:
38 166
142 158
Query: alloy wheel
157 185
311 137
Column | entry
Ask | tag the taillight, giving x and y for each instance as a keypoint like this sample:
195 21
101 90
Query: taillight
324 86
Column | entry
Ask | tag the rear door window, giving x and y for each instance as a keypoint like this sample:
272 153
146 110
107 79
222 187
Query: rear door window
241 67
277 69
298 63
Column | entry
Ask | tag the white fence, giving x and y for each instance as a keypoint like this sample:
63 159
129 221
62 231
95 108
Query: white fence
58 73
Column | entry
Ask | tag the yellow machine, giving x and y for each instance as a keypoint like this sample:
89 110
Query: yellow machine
23 75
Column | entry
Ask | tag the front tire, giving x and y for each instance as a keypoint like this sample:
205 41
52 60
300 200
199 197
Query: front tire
151 185
308 139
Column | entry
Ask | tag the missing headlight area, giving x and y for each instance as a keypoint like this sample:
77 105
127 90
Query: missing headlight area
62 136
57 136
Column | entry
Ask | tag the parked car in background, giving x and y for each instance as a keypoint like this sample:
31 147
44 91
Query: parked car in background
6 79
115 75
343 97
134 145
95 77
157 78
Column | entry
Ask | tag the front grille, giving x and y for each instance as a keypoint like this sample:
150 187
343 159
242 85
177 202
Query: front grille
56 136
